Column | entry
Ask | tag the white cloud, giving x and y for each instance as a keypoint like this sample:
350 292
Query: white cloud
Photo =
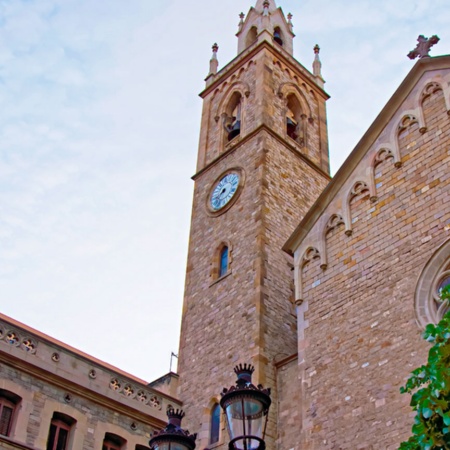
99 125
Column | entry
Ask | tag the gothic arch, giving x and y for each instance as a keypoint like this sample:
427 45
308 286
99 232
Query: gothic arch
408 118
430 88
358 188
233 98
216 257
333 222
310 254
251 37
428 307
239 86
204 435
290 88
382 154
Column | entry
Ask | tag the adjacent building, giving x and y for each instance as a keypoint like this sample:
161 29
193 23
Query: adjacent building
323 284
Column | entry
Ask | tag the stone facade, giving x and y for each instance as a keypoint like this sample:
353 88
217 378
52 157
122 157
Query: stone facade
357 262
325 285
248 315
50 377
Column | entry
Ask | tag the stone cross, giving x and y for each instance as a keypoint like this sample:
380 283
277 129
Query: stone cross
423 47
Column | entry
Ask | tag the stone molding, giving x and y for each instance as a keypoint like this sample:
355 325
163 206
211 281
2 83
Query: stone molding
362 180
78 374
428 307
407 100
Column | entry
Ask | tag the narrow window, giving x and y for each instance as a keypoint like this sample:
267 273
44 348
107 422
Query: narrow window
232 118
214 432
295 121
113 442
8 403
252 36
223 262
58 436
277 36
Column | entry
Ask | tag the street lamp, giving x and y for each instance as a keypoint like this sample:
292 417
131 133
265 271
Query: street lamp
246 409
173 437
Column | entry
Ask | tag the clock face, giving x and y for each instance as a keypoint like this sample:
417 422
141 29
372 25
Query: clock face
224 191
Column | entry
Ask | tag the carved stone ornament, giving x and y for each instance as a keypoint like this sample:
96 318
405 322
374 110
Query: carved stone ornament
382 155
430 89
358 188
128 391
423 47
142 397
334 221
115 385
406 122
310 254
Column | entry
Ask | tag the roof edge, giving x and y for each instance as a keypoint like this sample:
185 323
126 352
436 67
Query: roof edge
422 65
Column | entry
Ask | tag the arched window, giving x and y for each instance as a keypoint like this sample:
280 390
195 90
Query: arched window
223 262
214 431
142 447
434 277
58 436
8 404
232 117
295 120
252 36
277 36
113 442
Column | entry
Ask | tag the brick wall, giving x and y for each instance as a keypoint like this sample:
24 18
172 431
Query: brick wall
361 338
248 316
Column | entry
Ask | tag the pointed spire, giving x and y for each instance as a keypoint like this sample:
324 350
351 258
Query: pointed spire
214 63
317 65
271 6
289 17
241 23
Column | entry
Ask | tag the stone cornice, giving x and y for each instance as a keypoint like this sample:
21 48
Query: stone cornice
248 137
423 65
72 350
73 388
278 52
6 442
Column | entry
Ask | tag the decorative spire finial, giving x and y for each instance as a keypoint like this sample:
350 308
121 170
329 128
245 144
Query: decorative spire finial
289 17
241 22
423 47
214 63
317 65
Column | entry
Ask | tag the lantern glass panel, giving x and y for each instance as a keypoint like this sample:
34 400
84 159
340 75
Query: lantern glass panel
245 418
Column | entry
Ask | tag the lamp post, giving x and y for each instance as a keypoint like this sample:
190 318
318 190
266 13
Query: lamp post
246 409
173 437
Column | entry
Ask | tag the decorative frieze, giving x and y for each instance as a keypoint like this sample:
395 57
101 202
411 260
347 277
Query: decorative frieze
13 337
140 395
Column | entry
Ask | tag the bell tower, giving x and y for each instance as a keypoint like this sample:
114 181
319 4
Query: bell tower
262 162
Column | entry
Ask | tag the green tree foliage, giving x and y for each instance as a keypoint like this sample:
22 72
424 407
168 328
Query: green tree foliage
430 389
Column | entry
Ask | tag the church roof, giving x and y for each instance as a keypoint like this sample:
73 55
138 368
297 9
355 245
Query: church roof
423 65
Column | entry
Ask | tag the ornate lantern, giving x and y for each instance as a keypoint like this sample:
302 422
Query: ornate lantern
246 409
173 437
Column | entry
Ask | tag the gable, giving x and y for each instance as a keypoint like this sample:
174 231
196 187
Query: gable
381 141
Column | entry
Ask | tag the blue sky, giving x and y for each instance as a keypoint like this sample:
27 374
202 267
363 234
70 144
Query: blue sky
99 124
